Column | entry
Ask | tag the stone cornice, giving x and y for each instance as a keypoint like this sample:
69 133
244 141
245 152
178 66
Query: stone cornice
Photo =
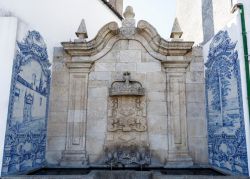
176 64
158 44
79 66
94 46
145 34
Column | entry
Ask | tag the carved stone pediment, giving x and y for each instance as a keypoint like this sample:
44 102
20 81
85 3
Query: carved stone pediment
126 87
145 33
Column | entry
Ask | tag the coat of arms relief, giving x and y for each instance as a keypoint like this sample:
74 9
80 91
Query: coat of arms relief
127 137
127 114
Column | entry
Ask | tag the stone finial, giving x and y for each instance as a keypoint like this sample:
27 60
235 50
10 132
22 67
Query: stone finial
176 32
129 13
82 31
128 23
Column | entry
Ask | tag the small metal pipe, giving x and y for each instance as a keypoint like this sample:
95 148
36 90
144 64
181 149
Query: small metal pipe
245 47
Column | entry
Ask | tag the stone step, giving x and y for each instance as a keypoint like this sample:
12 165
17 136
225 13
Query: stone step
124 175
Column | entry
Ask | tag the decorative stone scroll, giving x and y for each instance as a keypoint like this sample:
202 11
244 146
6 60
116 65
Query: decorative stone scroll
126 87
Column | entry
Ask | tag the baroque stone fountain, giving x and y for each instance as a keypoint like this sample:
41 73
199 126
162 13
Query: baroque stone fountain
122 99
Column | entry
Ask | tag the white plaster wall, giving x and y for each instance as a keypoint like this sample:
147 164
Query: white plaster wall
221 13
247 21
7 47
246 4
235 34
58 20
189 15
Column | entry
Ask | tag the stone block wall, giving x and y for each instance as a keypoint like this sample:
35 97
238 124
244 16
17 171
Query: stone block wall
127 55
196 117
58 111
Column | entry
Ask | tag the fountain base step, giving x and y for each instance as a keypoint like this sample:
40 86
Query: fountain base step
133 173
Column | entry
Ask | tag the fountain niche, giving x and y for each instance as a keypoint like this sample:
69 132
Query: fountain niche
126 143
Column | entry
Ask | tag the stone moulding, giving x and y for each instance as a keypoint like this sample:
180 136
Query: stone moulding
126 87
180 64
94 46
111 33
160 45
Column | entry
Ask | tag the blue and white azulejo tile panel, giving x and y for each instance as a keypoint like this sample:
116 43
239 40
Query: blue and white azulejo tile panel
224 106
25 139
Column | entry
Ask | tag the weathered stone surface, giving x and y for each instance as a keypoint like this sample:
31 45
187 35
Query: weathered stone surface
99 76
58 117
148 67
198 149
157 108
130 56
196 109
195 77
99 92
157 124
95 142
158 141
126 67
104 67
197 66
157 96
57 129
195 92
53 157
59 106
112 56
135 45
56 143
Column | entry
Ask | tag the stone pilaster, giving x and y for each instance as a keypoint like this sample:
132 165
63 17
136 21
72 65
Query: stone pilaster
75 154
178 153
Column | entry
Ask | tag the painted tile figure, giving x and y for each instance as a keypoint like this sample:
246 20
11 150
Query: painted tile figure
25 140
226 129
